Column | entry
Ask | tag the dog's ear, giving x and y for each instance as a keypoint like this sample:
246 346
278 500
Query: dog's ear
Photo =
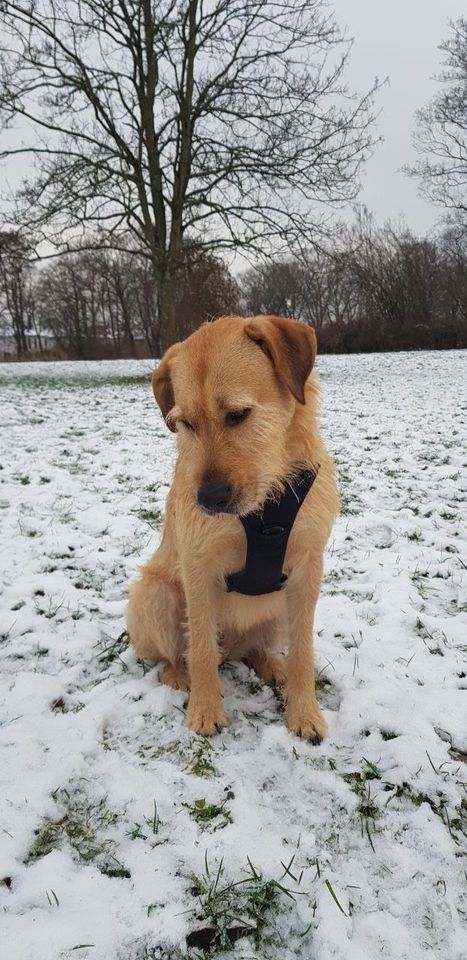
163 388
291 347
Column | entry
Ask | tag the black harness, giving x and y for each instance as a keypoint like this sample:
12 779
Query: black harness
267 534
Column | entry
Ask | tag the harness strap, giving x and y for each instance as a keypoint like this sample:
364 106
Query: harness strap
267 535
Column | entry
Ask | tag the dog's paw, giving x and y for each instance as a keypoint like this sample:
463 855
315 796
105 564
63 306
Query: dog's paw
205 719
175 677
306 721
270 668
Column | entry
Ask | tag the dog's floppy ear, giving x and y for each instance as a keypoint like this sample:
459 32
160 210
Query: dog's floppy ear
291 347
163 388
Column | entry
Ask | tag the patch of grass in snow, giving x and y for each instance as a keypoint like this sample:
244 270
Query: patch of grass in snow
211 816
48 605
82 825
88 579
62 510
151 515
196 755
111 648
367 809
152 487
247 908
333 576
428 638
322 681
454 821
201 763
420 578
149 829
146 951
39 651
58 381
28 531
61 705
349 505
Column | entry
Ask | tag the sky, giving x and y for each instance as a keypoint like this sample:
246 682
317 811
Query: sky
398 39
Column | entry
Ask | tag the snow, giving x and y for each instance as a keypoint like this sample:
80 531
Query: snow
101 827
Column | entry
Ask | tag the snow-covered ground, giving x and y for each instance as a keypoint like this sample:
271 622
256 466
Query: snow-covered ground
125 837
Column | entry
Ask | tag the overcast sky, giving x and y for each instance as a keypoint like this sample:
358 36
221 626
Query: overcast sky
398 39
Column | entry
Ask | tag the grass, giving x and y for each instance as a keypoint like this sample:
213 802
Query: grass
60 705
420 578
414 536
47 605
193 755
348 505
371 813
78 382
367 809
151 515
250 907
83 825
211 816
201 763
149 829
89 579
455 822
111 648
428 639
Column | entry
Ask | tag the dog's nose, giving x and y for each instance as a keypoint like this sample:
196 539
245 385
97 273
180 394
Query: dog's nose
215 497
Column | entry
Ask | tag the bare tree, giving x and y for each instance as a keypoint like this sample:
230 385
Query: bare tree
67 305
316 287
218 122
206 290
104 303
277 286
373 288
441 130
15 289
91 303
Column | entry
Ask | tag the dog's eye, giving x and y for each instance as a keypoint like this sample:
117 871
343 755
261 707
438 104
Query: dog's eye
234 417
187 424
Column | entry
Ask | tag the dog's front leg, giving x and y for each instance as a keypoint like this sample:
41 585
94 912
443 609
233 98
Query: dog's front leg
303 712
205 712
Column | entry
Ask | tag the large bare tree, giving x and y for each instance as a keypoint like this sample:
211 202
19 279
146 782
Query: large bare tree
220 122
441 130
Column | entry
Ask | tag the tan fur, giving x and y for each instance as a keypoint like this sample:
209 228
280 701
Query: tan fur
179 610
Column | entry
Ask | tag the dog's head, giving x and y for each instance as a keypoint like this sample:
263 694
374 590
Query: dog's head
230 392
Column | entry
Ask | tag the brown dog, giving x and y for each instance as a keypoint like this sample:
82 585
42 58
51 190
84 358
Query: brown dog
239 396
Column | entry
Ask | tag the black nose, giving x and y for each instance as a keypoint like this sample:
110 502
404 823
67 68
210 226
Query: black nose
215 497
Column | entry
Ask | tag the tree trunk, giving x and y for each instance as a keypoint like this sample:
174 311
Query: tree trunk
168 325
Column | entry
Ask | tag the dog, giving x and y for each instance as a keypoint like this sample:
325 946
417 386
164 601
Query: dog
242 399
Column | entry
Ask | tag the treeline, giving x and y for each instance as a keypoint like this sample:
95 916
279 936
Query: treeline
371 289
366 289
101 303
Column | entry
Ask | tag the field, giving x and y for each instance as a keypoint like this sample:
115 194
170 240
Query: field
125 837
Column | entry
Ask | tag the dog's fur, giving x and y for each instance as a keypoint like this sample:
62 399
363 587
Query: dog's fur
179 611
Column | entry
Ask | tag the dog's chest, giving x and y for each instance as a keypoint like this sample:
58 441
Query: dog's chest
239 613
